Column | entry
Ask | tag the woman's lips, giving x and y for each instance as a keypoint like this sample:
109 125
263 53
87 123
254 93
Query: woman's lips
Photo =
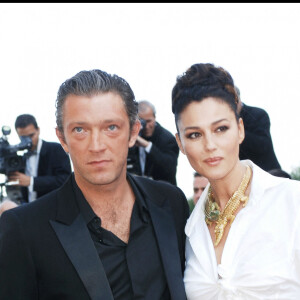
213 161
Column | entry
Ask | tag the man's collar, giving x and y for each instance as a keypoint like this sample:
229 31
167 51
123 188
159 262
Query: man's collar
84 207
87 211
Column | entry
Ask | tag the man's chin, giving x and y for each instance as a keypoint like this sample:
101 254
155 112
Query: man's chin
105 179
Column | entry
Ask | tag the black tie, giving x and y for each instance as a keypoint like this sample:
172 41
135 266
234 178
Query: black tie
29 153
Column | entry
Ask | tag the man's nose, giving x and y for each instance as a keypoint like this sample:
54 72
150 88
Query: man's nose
97 142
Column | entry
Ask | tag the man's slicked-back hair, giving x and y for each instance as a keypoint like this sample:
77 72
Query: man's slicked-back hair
24 120
91 83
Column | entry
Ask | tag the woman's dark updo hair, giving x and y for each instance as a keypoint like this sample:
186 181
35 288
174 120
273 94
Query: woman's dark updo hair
201 81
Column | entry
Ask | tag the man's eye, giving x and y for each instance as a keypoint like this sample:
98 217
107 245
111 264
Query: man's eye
112 127
78 129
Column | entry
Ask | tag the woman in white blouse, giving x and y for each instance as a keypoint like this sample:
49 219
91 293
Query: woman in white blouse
243 237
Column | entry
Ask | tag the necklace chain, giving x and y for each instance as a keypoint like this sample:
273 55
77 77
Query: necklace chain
212 209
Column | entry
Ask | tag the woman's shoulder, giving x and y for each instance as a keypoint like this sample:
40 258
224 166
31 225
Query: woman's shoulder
279 189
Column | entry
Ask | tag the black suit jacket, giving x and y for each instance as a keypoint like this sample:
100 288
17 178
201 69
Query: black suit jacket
257 145
53 169
46 251
161 161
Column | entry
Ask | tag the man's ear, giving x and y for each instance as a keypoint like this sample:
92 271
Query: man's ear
134 133
61 138
179 143
241 130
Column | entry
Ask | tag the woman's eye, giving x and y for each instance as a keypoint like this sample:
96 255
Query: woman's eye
222 128
194 135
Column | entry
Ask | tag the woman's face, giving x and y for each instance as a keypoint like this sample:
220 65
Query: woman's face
209 136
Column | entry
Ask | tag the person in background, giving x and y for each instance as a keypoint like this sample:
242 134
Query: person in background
257 145
199 184
47 164
7 204
156 151
243 236
105 234
280 173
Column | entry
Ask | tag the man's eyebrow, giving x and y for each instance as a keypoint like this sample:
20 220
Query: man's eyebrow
104 121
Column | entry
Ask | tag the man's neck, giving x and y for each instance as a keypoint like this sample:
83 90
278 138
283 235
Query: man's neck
107 195
113 203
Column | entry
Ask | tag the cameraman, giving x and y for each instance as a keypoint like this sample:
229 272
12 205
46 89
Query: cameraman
47 164
156 151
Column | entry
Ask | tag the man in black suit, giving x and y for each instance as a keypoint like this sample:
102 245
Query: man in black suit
105 234
47 164
156 152
257 145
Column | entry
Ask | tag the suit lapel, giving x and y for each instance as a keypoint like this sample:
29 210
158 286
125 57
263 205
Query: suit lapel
43 151
165 232
79 247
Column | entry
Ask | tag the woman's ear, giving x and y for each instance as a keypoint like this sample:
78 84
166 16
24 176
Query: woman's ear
179 143
241 130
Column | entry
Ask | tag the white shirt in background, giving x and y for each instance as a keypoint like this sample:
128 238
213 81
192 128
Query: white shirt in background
31 170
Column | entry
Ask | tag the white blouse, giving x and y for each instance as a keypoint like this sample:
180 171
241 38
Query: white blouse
261 256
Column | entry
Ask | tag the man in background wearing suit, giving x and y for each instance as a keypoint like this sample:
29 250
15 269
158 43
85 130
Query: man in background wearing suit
156 151
47 164
257 145
105 234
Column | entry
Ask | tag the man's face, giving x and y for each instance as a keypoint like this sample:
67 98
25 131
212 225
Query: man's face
200 183
32 132
97 137
148 116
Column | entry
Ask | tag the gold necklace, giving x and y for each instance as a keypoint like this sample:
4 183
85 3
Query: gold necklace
212 209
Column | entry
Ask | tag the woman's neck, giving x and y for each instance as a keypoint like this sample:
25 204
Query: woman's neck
225 187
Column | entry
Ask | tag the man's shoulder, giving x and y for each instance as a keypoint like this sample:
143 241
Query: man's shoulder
162 192
52 147
158 191
163 129
148 182
51 144
153 187
253 110
163 132
36 209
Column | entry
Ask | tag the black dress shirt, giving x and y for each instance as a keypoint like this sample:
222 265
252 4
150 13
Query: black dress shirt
133 270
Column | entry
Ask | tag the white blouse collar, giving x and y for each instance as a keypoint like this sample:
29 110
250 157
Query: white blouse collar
261 181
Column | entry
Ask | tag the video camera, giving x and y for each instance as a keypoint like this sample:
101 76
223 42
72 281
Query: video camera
10 161
143 123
